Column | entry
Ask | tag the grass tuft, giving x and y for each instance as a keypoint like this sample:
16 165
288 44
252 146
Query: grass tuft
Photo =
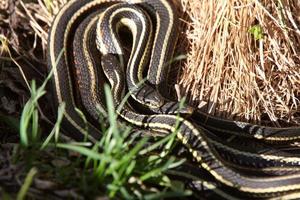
123 164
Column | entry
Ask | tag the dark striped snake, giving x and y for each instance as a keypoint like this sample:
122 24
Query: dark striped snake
89 33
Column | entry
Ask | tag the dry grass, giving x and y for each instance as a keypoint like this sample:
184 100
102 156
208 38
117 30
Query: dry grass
41 16
238 74
25 24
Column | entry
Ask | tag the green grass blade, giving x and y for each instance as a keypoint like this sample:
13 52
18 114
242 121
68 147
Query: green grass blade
28 181
55 131
157 144
110 105
82 116
82 150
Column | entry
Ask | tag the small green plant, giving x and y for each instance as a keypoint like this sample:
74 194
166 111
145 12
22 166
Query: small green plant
48 4
257 32
29 128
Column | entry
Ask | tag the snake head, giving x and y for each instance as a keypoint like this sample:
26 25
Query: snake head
149 96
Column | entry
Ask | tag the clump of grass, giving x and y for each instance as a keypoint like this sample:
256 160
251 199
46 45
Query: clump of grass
243 61
120 162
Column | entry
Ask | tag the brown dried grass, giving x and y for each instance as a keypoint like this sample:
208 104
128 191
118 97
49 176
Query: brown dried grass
25 24
236 76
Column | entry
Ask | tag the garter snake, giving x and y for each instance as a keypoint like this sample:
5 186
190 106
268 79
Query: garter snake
83 18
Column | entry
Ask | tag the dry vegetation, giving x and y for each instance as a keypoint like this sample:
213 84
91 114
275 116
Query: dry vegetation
243 61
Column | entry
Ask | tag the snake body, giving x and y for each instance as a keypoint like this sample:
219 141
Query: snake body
83 26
